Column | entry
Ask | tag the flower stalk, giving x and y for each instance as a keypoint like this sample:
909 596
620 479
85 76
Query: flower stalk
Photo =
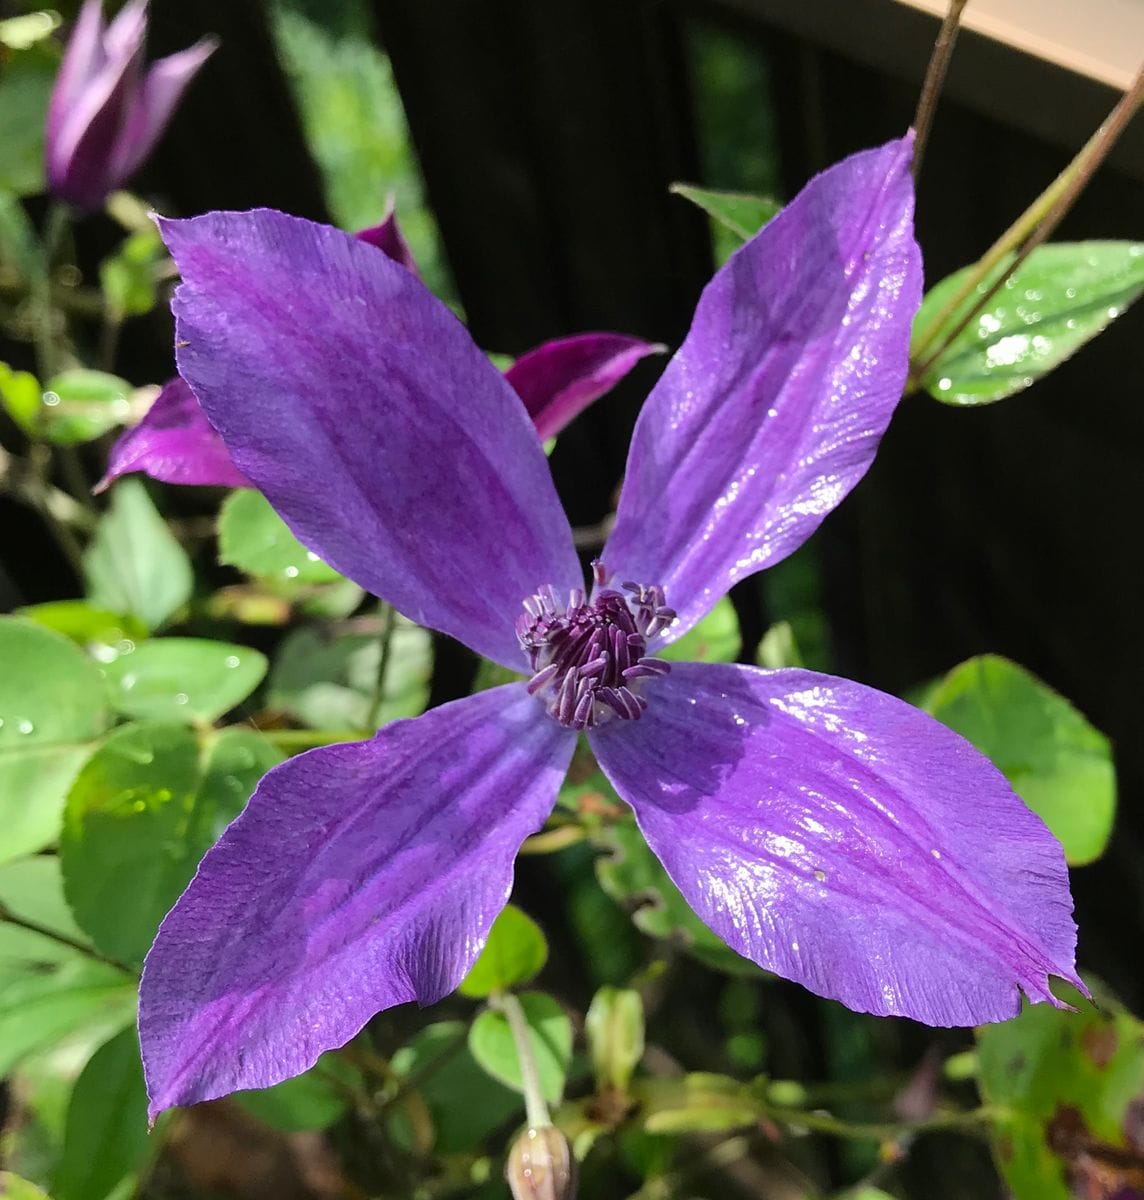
535 1105
1031 229
935 80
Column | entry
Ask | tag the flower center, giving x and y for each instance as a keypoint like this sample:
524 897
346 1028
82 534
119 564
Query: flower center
590 656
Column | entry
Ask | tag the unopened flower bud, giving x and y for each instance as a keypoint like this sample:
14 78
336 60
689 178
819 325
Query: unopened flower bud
615 1030
541 1166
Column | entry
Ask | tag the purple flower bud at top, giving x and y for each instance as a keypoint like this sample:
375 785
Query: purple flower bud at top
107 111
541 1166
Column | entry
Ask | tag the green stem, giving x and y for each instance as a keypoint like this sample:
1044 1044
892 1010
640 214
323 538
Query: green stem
388 616
11 918
535 1106
873 1131
55 225
935 79
1030 229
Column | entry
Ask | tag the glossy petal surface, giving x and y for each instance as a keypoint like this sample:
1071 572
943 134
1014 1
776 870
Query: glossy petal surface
362 409
773 407
559 379
174 443
388 238
359 876
841 838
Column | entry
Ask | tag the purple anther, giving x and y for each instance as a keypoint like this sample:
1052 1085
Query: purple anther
588 658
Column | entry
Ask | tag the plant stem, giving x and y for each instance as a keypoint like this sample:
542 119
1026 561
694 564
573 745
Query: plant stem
55 225
935 79
823 1122
535 1106
11 918
388 617
1030 229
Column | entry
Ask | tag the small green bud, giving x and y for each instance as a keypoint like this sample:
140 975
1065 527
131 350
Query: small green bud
615 1030
541 1166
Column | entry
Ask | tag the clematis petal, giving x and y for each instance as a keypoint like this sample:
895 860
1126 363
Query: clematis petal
174 443
359 876
361 407
843 839
83 57
388 238
559 379
155 103
773 407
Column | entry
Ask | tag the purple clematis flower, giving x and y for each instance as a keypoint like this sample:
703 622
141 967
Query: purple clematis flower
829 832
176 443
106 111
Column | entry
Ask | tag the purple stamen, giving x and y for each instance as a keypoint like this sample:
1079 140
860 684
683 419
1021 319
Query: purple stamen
589 658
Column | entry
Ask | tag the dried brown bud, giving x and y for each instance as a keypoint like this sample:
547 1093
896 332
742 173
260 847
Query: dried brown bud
541 1166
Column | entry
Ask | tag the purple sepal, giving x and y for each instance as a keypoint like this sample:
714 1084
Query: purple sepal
174 443
772 409
359 876
559 379
388 238
843 839
106 112
358 403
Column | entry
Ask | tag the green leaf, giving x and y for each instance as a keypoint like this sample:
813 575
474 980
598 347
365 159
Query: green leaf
514 954
1059 764
129 276
20 395
327 682
25 86
314 1100
18 33
740 212
53 705
462 1104
188 680
1066 1086
1060 297
106 1134
715 639
49 990
105 634
81 405
254 538
550 1032
134 565
635 879
12 1187
146 809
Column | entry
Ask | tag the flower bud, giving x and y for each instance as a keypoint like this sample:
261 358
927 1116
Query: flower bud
541 1166
107 110
615 1030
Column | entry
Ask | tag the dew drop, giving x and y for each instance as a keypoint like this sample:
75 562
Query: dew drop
231 660
182 698
291 572
51 399
944 384
820 876
312 557
794 945
140 806
25 726
128 682
125 646
936 853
